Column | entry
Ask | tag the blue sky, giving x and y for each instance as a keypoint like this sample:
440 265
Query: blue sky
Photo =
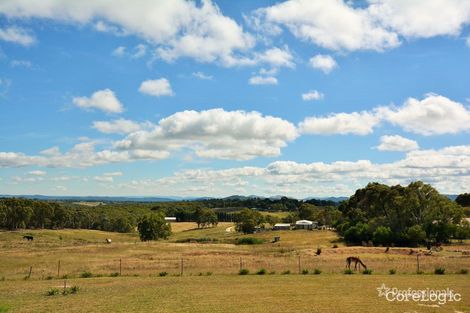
214 98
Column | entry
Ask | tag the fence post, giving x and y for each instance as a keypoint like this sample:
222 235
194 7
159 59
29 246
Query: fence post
120 267
182 267
241 263
30 271
299 264
65 286
417 262
58 269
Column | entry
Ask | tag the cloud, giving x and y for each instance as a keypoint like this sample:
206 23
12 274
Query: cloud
104 100
417 19
324 63
317 22
139 51
21 63
262 80
433 115
16 35
103 179
201 75
276 57
214 133
357 123
113 174
467 41
120 126
119 51
312 95
397 143
157 87
197 30
37 173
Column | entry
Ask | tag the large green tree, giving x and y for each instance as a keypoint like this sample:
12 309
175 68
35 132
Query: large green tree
247 220
153 227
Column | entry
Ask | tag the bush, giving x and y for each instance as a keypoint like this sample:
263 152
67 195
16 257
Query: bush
249 241
463 271
49 277
261 272
367 272
163 274
272 273
86 275
348 272
52 292
392 271
317 271
153 227
439 271
74 289
243 271
304 272
419 272
286 272
115 274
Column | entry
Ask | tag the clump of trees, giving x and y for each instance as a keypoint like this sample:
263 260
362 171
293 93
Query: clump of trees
399 215
205 218
153 227
247 220
463 199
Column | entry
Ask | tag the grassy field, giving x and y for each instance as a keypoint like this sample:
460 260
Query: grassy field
218 289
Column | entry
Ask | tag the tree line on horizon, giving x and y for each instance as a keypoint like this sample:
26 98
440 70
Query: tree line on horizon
377 214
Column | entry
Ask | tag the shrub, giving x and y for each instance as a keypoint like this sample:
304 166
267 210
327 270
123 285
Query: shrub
86 275
348 272
49 277
208 273
317 271
65 276
392 271
52 292
419 272
249 241
115 274
74 289
286 272
439 271
272 272
304 272
163 274
463 271
367 272
261 272
243 271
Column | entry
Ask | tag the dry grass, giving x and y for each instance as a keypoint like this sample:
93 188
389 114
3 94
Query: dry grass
231 293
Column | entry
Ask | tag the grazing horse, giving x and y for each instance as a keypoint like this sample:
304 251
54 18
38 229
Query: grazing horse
356 260
29 237
108 240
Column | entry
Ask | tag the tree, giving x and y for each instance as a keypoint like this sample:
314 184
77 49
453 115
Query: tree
382 236
415 235
247 221
205 217
153 227
463 199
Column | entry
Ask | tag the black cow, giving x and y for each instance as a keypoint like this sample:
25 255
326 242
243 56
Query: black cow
29 237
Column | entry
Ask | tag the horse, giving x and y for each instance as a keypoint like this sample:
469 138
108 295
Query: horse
108 240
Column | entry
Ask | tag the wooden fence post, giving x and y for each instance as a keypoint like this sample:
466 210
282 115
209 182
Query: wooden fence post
120 267
417 262
241 263
181 267
30 271
58 269
299 264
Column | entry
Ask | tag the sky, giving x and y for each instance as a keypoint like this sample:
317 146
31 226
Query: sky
303 98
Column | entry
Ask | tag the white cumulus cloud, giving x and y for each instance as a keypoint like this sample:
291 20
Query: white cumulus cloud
324 63
104 100
157 87
312 95
397 143
16 35
262 80
357 123
119 126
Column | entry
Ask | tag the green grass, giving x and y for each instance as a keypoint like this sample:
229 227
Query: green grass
232 293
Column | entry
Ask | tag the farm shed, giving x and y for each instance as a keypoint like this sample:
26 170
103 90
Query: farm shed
170 219
281 226
305 224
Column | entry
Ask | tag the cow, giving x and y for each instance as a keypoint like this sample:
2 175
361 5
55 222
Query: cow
108 240
28 237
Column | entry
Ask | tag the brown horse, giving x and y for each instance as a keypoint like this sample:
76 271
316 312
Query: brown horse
356 260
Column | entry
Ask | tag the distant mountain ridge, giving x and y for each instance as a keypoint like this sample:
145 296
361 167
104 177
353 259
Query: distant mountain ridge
170 198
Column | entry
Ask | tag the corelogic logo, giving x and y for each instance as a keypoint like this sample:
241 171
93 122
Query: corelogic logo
423 295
